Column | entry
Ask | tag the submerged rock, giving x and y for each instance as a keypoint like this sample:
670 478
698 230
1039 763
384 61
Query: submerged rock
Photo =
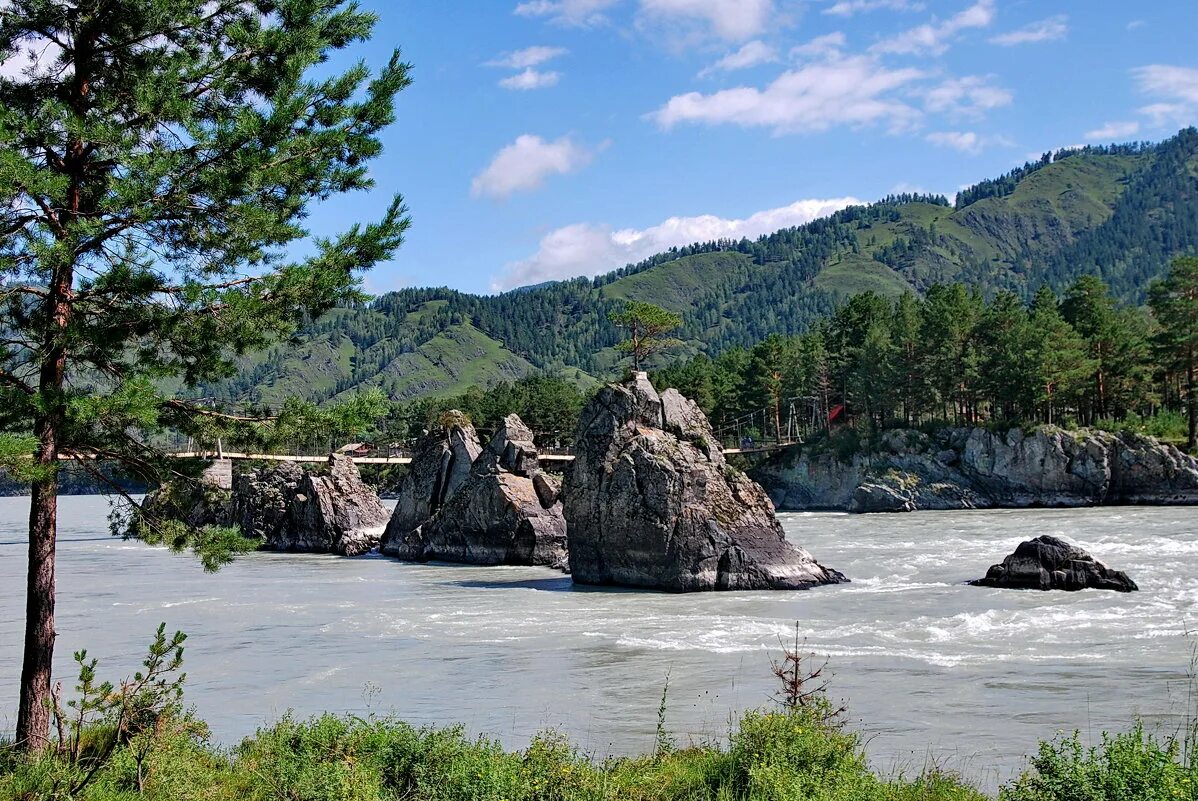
505 512
289 509
1049 563
650 502
440 465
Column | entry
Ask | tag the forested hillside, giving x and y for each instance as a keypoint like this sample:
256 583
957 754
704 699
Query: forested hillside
1117 212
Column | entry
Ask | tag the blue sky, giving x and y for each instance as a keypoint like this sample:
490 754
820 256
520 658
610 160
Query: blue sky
544 139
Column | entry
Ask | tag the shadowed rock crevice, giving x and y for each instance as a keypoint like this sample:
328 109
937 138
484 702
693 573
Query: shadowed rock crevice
651 502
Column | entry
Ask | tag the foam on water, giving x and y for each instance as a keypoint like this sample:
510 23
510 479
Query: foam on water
931 667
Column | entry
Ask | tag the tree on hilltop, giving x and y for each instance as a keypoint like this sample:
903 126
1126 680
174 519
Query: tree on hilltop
157 157
647 326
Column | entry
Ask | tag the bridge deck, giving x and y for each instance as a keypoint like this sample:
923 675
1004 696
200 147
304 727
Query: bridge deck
283 457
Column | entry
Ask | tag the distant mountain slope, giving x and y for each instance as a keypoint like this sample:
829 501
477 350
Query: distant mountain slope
1122 212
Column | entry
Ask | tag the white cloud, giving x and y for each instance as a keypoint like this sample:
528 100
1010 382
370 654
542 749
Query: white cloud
966 141
1179 83
732 20
1178 89
1114 130
592 249
1163 115
1136 23
750 55
968 96
567 12
526 163
851 91
829 44
1046 30
528 57
847 8
531 79
933 38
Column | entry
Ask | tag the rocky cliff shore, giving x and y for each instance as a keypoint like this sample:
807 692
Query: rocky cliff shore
975 468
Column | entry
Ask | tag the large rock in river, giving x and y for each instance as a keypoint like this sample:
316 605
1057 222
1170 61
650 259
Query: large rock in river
505 512
1049 563
650 502
440 465
290 509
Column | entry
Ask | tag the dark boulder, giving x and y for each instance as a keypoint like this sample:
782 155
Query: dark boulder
1049 563
650 502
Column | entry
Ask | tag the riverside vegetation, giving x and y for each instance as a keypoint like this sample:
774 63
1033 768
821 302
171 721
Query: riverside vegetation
137 741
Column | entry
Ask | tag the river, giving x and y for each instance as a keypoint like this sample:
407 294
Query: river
932 670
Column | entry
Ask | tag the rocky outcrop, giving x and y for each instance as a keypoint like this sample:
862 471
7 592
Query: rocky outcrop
650 502
1049 563
197 502
506 511
967 468
440 465
289 509
283 506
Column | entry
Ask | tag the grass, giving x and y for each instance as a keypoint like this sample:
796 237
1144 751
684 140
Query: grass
1168 426
678 285
449 363
771 755
853 274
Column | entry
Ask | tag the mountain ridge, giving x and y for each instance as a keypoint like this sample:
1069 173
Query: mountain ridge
1121 211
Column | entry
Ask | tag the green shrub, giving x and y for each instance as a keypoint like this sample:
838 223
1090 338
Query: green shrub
1131 766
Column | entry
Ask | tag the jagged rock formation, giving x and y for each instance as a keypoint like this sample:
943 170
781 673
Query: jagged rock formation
1049 563
650 502
440 465
284 507
505 511
289 509
967 468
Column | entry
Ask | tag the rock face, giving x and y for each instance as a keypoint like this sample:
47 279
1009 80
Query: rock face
284 507
504 511
650 502
206 501
1048 563
967 468
289 509
440 465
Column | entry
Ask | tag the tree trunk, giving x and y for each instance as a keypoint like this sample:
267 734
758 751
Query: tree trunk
33 716
1191 406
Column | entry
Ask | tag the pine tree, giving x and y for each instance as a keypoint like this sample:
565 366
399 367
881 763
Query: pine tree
1061 363
647 326
156 159
1174 302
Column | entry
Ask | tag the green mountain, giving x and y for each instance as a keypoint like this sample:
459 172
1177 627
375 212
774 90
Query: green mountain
1121 212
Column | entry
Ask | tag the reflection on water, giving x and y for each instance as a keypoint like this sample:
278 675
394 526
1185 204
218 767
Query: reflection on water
932 669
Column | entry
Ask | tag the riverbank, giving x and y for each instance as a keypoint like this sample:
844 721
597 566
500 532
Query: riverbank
903 470
770 755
